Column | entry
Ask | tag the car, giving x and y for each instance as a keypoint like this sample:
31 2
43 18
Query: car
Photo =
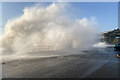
117 47
118 55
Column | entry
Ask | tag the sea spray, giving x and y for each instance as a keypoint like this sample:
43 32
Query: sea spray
47 28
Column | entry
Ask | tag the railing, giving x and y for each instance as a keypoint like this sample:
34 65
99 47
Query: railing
46 48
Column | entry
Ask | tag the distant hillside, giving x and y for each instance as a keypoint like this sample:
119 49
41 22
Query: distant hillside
110 36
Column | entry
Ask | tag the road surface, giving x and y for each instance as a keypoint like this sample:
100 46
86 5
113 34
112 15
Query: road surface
95 63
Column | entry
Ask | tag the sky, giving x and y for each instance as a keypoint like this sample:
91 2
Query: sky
0 13
106 13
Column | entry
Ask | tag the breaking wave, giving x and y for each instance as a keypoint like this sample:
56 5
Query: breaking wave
45 29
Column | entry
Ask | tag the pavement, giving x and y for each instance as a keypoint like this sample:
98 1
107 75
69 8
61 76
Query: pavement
94 63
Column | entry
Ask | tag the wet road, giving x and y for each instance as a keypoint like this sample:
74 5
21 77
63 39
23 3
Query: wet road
95 63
